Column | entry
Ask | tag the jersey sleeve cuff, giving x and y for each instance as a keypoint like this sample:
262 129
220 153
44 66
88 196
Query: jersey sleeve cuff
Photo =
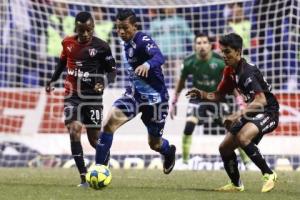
147 65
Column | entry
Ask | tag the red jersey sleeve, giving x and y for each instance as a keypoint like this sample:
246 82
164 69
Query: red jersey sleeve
63 55
67 45
227 84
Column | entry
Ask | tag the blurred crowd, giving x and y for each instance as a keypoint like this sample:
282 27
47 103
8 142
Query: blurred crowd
32 31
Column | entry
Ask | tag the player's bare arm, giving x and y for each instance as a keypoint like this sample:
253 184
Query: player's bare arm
178 88
257 105
200 94
58 70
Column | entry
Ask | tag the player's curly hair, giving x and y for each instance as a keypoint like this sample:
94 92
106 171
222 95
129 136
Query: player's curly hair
83 17
232 40
127 14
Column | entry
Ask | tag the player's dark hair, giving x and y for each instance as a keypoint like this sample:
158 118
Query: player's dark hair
201 35
83 17
232 40
127 14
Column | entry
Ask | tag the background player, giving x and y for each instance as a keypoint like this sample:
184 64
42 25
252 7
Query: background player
146 94
87 59
206 67
245 127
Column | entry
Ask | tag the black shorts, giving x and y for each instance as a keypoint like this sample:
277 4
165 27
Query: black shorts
265 122
203 110
87 112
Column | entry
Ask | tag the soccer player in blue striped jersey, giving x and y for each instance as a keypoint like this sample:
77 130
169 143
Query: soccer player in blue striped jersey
147 93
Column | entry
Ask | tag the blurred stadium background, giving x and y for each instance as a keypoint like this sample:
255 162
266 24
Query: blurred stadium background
31 123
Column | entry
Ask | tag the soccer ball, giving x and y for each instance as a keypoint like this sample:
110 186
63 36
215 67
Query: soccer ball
98 177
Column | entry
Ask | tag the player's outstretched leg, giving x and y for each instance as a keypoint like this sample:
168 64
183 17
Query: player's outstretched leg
103 148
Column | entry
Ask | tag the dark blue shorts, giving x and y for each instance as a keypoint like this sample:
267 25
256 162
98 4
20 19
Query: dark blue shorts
153 116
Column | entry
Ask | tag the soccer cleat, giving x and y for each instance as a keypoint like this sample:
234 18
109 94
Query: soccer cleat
230 187
169 161
83 185
269 182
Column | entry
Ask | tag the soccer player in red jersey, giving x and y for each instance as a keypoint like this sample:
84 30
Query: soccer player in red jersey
89 62
245 127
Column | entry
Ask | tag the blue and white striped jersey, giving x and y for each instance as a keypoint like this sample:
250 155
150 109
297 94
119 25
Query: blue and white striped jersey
143 50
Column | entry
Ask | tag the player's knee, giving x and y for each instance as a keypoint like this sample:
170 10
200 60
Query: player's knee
223 149
154 145
189 128
242 140
109 126
93 137
75 131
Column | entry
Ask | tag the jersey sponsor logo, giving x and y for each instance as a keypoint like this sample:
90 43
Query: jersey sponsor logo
79 63
78 73
269 126
92 52
258 116
264 121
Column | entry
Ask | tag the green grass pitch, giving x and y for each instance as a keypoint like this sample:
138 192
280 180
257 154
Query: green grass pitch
59 184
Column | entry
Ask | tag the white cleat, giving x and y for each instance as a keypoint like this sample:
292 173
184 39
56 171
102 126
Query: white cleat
83 185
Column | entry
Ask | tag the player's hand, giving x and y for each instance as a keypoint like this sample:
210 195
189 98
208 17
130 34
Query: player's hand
142 70
194 93
227 124
49 87
99 87
173 107
230 120
240 102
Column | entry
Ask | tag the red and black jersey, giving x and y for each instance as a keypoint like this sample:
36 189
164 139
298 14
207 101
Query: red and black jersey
86 64
248 80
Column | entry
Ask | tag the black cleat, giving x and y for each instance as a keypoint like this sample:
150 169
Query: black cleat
169 161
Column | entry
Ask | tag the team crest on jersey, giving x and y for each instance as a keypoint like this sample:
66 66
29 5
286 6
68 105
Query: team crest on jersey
130 52
92 52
